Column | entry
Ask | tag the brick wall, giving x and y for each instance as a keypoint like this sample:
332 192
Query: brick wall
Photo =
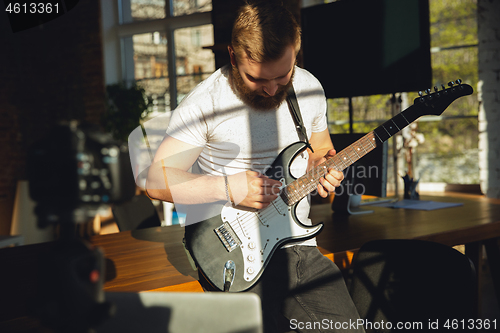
489 92
48 73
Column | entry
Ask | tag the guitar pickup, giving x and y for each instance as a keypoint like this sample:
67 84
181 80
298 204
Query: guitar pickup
227 236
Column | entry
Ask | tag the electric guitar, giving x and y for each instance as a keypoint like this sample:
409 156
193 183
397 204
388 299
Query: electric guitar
232 249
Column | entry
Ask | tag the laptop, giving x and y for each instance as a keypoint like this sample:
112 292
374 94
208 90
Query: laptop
176 312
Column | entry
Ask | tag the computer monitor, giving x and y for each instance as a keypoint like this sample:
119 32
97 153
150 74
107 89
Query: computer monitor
366 176
368 47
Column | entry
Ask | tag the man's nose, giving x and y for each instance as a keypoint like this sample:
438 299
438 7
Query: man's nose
270 88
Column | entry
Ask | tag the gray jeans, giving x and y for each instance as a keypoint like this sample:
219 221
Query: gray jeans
303 291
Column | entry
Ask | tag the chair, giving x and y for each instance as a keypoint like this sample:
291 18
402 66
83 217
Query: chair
412 281
137 213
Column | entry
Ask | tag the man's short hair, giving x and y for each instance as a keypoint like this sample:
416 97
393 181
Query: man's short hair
263 30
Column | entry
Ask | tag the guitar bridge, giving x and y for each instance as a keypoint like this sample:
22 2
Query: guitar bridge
227 236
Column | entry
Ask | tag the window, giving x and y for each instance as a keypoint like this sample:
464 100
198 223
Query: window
158 44
450 151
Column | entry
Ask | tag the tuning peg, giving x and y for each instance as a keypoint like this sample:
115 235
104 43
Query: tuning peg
451 83
459 81
428 91
443 87
420 93
436 91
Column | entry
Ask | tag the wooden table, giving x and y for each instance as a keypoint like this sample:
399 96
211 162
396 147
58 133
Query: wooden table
154 259
476 220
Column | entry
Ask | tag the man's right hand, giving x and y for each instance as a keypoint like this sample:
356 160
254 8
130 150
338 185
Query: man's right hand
253 189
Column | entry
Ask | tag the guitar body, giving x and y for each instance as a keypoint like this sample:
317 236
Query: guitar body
248 238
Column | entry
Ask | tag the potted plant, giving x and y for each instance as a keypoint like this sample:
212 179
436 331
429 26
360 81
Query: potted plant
126 107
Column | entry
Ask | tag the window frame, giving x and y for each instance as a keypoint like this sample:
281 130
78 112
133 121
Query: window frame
118 52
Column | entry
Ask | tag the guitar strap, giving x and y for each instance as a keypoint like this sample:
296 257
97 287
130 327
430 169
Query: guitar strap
293 105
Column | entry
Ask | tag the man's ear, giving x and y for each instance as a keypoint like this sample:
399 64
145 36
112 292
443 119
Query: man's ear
232 55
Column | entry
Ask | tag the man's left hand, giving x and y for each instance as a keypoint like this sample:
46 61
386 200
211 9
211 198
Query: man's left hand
332 179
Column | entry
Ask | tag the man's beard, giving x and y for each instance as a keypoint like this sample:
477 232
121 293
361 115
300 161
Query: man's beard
255 99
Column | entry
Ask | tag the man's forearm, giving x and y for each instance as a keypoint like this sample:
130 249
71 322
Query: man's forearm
182 187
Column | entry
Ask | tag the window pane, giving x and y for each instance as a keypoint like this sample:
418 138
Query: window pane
151 67
450 151
155 9
194 63
147 9
368 113
157 91
184 7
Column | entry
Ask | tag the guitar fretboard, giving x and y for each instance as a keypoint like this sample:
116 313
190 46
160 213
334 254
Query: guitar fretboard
304 185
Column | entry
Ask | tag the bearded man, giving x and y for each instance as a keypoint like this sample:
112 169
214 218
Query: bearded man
224 135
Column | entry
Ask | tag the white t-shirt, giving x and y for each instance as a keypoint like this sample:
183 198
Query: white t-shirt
237 137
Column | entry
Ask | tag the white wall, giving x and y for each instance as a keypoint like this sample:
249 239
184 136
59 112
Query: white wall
489 92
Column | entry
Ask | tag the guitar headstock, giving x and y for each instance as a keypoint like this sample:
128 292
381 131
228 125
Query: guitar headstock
434 103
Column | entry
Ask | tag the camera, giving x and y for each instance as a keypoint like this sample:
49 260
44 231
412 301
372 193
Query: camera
75 171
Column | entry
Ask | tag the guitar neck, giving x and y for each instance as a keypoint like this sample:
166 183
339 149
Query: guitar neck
304 185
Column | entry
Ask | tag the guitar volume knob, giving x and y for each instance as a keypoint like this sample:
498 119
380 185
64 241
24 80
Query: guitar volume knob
250 258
